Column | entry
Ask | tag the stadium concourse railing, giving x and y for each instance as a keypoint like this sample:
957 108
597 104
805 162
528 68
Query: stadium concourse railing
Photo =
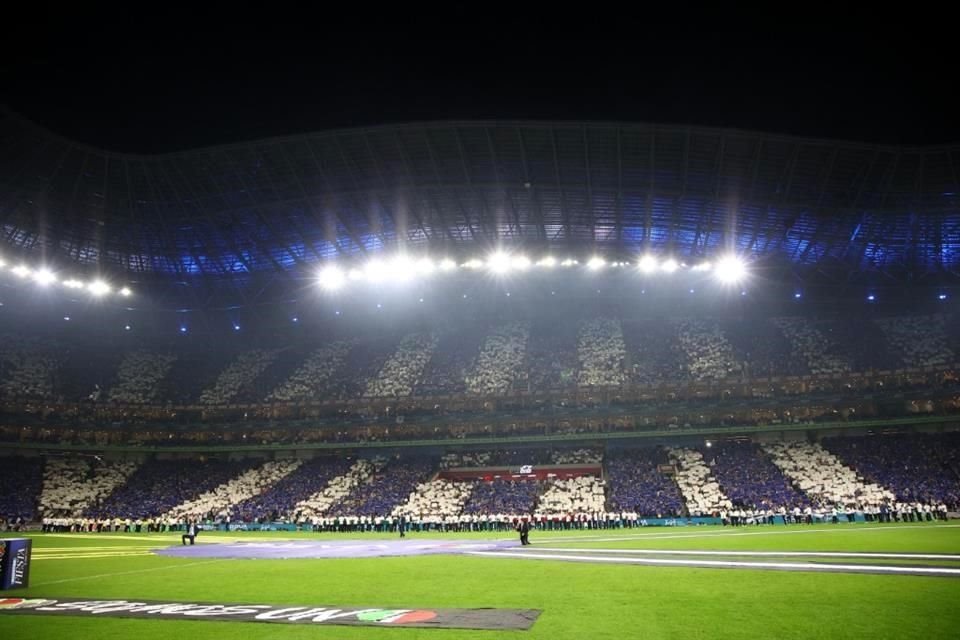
890 425
625 395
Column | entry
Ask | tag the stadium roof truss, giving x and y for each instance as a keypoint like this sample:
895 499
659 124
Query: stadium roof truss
280 204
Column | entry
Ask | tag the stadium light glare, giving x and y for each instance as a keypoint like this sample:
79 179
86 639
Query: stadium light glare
730 270
2 264
21 271
569 262
355 274
647 264
98 288
942 296
44 277
704 266
376 271
447 265
331 278
871 298
425 266
401 269
669 265
498 262
473 264
549 262
595 263
73 284
125 292
520 263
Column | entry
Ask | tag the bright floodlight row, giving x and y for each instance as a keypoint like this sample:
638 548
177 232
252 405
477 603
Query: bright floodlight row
728 270
45 277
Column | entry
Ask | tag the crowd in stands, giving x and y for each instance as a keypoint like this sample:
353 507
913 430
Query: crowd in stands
72 484
27 367
750 479
701 491
219 501
21 480
552 356
916 467
338 488
885 478
314 377
238 375
158 486
809 345
820 475
921 341
583 494
391 486
637 485
762 350
652 352
139 377
452 360
601 351
279 500
437 498
500 363
709 355
403 370
502 496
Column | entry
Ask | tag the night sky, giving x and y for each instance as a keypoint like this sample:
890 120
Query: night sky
126 87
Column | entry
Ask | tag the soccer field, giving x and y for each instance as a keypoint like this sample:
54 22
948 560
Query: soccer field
783 582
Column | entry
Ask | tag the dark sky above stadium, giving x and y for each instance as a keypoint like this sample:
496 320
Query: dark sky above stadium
127 86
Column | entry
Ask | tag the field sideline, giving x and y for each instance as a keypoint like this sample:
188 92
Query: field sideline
578 599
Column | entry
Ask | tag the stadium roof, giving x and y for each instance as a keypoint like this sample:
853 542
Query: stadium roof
282 204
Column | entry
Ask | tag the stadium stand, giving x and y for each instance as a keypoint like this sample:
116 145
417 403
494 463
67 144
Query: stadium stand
601 351
820 475
404 369
500 363
72 485
709 355
700 490
636 484
21 481
750 479
238 376
139 377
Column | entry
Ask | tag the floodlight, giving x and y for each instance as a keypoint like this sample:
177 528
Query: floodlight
647 264
447 265
98 288
669 265
730 270
520 263
125 292
43 277
548 262
498 262
595 263
331 278
21 271
73 284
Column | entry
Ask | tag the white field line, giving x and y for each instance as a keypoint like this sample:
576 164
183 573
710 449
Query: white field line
136 547
106 536
125 573
726 533
84 556
802 566
811 554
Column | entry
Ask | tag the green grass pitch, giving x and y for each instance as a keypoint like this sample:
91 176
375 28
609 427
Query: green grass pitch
579 600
